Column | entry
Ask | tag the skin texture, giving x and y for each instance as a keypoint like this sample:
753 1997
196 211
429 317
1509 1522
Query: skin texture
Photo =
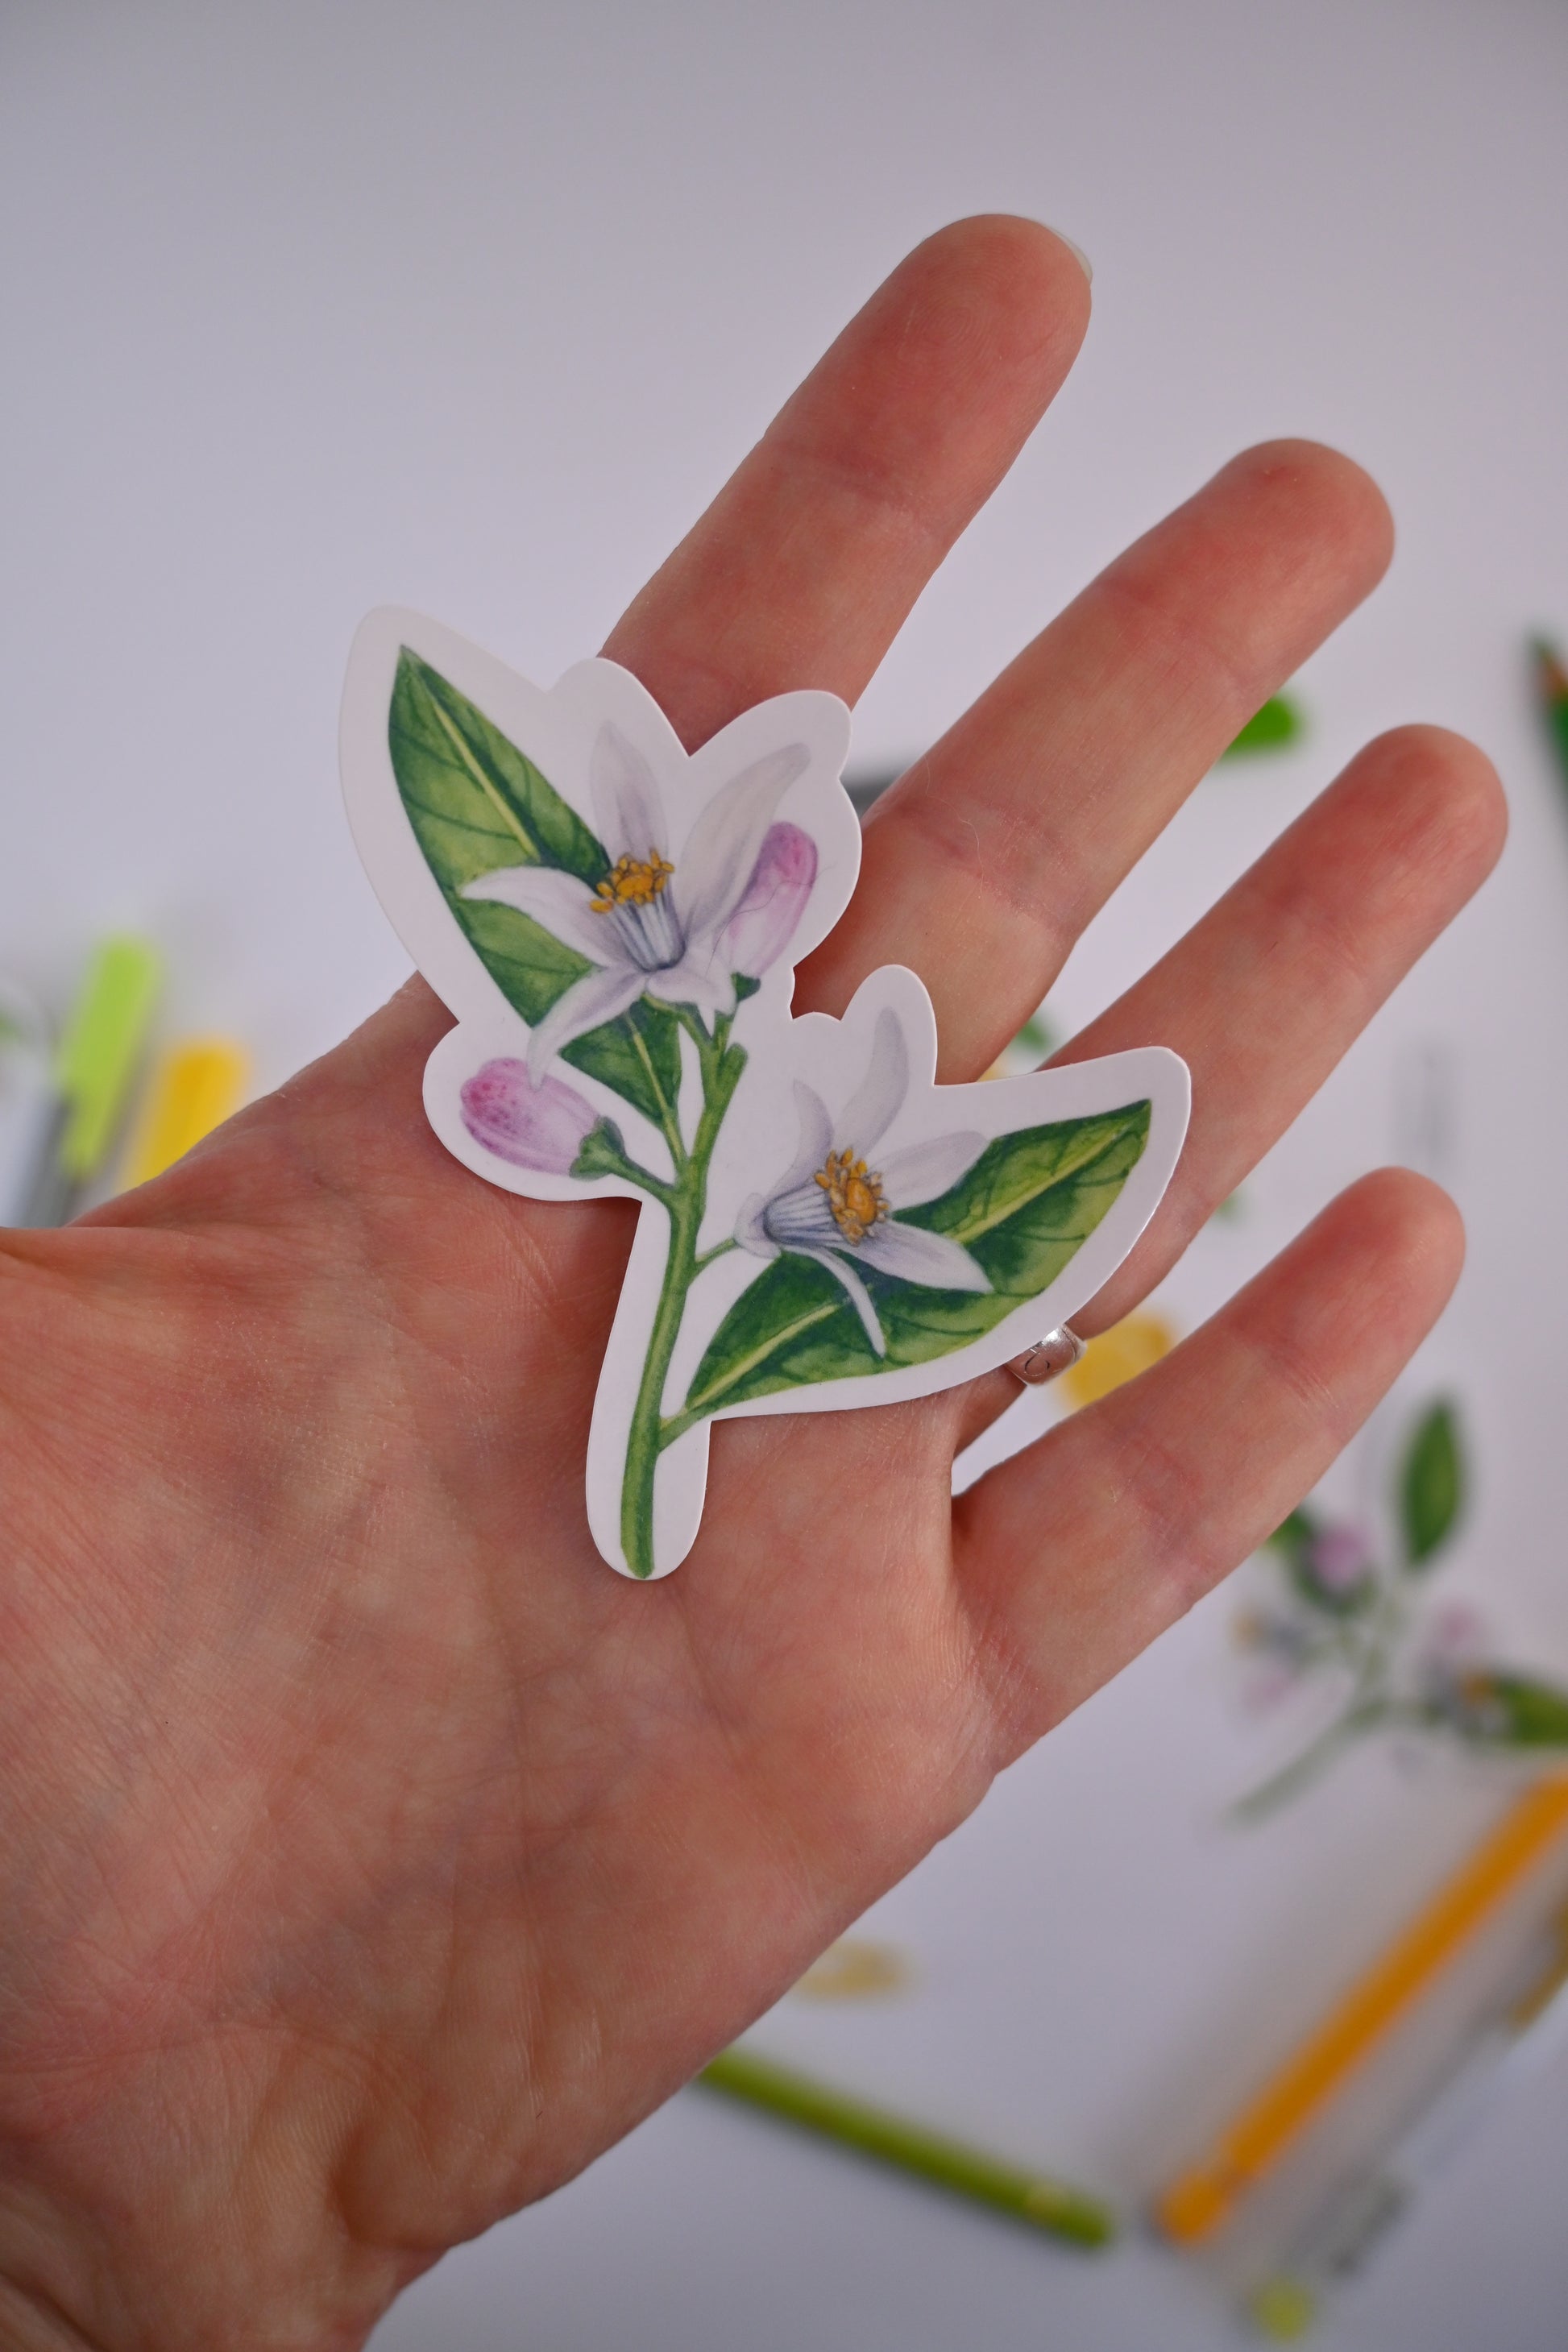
371 1857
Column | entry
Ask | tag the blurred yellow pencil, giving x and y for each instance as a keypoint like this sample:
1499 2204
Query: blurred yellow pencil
1196 2203
194 1088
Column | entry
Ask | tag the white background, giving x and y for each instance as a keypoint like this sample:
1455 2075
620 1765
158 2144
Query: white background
471 307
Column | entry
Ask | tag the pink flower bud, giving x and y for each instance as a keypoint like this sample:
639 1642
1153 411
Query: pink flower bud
764 923
1340 1558
539 1127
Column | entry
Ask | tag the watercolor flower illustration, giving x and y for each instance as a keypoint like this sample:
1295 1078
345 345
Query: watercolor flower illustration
832 1206
627 930
541 1125
649 926
1340 1617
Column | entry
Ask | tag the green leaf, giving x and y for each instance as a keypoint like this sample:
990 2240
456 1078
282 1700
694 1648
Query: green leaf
1293 1536
638 1057
476 802
1495 1708
1038 1038
1552 692
1024 1212
1431 1485
1273 727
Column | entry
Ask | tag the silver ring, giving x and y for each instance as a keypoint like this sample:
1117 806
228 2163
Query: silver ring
1056 1353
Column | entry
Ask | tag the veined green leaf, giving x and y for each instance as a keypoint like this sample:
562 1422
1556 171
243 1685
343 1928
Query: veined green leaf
1033 1198
1024 1212
638 1057
1431 1485
476 802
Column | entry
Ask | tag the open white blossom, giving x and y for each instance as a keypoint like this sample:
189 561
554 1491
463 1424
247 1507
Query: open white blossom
676 931
833 1205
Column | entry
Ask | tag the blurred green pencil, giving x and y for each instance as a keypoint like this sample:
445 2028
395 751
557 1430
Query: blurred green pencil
98 1058
1552 691
1011 2189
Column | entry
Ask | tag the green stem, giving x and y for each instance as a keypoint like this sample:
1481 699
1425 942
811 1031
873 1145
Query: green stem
1366 1647
710 1256
604 1154
1315 1759
685 1206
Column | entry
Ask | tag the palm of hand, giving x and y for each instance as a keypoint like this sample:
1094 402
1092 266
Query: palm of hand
373 1856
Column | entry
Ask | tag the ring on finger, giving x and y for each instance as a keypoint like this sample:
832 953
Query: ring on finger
1056 1353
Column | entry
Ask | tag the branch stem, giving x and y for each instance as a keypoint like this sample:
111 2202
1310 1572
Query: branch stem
684 1205
1354 1724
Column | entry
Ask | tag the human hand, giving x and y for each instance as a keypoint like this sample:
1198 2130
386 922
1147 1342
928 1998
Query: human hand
372 1857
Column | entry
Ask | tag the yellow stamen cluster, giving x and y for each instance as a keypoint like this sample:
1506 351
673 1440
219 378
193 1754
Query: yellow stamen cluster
855 1194
631 882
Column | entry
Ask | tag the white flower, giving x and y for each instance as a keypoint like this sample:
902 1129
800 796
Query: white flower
832 1206
649 926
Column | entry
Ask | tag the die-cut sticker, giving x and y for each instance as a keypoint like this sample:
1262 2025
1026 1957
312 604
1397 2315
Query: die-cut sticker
615 925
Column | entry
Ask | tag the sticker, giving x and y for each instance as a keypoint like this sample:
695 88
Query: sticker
1347 1610
615 925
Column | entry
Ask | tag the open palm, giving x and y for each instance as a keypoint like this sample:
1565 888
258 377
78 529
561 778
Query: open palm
372 1857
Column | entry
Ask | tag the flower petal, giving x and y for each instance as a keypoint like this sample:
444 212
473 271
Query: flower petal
539 1127
692 981
559 902
816 1138
803 1220
908 1254
795 1214
750 1229
720 855
878 1099
764 922
859 1296
926 1170
628 808
598 997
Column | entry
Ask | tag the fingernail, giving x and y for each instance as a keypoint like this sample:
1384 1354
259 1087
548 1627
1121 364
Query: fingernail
1079 255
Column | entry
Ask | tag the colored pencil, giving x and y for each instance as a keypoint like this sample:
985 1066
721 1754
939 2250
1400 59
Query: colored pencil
98 1056
1202 2199
27 1100
1365 2208
1038 2199
194 1090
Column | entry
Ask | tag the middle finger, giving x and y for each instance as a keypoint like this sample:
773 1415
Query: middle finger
985 861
